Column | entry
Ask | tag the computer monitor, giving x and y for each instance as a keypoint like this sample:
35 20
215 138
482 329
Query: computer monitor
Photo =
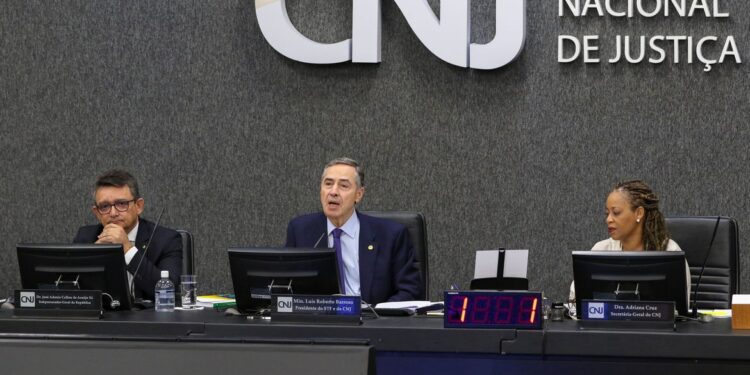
76 266
259 272
631 275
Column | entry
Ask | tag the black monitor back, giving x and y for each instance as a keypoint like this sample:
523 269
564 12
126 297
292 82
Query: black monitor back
258 272
76 266
658 275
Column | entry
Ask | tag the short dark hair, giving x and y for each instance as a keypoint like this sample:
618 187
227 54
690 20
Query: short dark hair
118 178
360 178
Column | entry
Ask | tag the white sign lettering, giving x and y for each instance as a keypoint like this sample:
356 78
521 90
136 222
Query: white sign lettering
654 49
447 38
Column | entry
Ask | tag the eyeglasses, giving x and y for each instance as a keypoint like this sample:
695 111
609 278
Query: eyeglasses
121 206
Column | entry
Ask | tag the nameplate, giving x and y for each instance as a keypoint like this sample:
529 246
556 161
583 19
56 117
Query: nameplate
316 309
628 315
58 303
641 311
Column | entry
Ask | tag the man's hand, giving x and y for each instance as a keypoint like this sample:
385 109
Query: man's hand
115 234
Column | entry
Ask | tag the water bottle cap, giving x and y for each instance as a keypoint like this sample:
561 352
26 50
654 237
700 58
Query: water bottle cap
164 274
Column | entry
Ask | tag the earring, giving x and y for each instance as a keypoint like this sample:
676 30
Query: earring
637 220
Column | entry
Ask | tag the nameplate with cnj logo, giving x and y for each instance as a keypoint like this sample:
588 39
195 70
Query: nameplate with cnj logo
315 309
58 303
639 311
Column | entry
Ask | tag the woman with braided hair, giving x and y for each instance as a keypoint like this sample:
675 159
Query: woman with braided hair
634 221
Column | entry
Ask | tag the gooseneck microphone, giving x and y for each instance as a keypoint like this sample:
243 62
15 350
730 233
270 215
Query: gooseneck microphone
145 251
319 239
703 268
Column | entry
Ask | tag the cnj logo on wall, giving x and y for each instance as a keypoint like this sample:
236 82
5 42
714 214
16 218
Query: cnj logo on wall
447 38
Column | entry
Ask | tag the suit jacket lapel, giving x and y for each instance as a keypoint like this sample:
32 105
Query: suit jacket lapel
368 251
321 233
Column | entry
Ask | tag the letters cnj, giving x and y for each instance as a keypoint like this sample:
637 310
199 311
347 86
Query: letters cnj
447 38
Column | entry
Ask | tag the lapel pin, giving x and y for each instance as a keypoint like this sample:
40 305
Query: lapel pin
370 247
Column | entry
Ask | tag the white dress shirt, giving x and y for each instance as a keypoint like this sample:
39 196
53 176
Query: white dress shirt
131 252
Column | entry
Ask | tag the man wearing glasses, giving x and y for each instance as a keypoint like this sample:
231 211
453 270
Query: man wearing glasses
118 206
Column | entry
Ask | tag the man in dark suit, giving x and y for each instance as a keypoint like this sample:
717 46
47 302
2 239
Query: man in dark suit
377 254
118 206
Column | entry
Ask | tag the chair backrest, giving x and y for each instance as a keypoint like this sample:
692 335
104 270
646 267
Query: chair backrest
187 252
415 224
721 277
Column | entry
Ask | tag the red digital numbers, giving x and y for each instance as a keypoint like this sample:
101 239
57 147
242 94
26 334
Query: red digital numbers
487 310
503 309
480 309
463 309
527 310
457 309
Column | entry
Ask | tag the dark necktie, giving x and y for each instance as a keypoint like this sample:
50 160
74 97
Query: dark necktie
339 258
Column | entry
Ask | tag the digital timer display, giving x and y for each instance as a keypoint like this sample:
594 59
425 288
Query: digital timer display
493 309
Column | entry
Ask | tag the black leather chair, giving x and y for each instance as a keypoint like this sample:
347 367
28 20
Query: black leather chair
187 252
721 277
415 224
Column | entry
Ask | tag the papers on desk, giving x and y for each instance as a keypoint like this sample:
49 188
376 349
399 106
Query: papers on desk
402 304
717 313
217 301
407 307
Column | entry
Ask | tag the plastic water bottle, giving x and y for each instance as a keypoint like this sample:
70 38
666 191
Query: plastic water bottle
164 293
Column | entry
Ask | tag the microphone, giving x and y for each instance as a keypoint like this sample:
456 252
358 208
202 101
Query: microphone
703 268
145 251
371 308
319 239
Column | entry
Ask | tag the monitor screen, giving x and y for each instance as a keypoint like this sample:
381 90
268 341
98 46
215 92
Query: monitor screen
631 275
76 266
259 272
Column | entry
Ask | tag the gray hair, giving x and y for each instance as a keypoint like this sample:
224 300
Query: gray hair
360 178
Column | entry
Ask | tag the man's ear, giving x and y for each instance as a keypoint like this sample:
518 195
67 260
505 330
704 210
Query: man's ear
360 194
139 203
